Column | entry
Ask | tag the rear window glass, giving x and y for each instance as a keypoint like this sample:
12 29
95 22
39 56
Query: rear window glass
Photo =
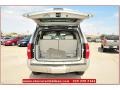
7 38
58 35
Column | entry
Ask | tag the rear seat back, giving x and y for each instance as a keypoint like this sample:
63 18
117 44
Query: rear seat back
46 44
69 37
68 45
47 37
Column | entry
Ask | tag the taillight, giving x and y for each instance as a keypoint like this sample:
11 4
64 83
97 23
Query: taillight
29 51
86 51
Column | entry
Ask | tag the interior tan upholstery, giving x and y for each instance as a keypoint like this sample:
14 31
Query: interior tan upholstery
46 37
69 37
68 45
46 44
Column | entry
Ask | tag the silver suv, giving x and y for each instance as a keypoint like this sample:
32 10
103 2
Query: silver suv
58 45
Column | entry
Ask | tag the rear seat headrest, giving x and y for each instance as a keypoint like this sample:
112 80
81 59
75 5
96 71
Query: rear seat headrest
69 37
46 37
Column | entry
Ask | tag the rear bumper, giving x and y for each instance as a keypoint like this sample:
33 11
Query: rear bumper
7 44
57 68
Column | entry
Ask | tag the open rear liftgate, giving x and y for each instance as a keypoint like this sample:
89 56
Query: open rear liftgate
58 17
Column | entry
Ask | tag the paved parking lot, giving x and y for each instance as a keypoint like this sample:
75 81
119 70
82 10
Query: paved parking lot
104 67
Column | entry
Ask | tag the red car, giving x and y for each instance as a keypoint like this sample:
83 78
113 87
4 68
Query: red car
13 41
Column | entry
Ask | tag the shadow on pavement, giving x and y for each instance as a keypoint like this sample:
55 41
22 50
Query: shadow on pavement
47 75
108 51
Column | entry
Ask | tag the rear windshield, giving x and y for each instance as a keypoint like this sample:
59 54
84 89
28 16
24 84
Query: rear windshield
7 37
112 37
58 35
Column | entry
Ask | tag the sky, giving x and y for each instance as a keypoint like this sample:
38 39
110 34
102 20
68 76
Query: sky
104 20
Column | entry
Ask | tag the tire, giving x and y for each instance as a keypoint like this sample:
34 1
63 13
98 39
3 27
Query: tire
103 49
36 73
19 45
13 44
80 73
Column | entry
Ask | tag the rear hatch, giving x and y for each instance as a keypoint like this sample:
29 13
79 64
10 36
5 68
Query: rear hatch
58 18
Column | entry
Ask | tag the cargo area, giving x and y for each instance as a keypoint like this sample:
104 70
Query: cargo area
58 45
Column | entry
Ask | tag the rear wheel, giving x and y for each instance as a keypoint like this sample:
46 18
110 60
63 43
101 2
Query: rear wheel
19 45
103 49
35 73
80 73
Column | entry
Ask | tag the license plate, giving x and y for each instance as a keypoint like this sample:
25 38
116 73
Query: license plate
58 69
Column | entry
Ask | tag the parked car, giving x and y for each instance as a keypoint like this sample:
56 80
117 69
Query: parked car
24 41
109 42
4 39
58 45
89 39
98 40
93 40
12 41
